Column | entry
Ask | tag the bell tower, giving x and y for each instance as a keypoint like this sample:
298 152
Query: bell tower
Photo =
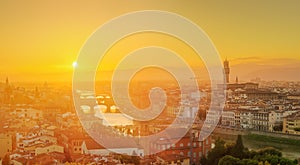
227 70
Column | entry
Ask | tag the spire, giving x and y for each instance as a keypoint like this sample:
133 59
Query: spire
236 80
7 82
37 92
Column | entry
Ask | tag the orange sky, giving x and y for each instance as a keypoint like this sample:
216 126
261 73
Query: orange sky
41 39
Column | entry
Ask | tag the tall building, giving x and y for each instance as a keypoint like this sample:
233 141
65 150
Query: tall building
227 70
7 92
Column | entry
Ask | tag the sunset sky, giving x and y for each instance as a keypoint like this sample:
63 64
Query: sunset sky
41 39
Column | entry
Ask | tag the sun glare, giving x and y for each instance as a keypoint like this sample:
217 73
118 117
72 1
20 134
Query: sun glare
74 64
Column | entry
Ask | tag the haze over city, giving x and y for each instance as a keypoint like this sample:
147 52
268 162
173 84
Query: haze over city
40 40
150 82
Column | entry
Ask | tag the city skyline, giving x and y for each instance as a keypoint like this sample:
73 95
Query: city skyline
40 41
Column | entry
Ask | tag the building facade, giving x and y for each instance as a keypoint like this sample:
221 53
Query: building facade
189 146
291 124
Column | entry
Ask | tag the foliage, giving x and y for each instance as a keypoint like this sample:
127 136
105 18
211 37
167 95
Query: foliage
278 140
238 149
228 160
269 151
216 153
248 162
237 154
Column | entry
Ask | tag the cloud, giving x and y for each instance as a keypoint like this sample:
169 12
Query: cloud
246 58
267 69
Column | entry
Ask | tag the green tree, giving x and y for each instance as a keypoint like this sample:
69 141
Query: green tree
274 160
269 151
249 154
216 153
285 161
248 162
228 160
237 154
295 161
273 157
238 149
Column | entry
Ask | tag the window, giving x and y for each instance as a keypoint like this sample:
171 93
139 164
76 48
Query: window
189 144
181 144
195 144
195 154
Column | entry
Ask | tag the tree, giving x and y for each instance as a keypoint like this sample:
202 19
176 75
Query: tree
274 160
248 162
269 151
203 161
228 160
295 161
238 149
237 154
286 161
216 153
273 157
